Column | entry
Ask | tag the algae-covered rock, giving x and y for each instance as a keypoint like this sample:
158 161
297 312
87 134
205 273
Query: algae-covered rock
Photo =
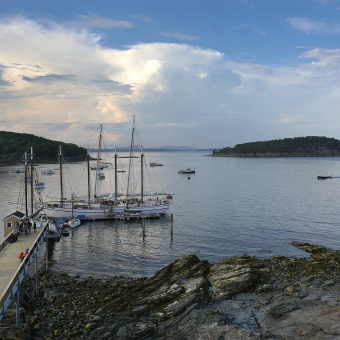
243 297
227 280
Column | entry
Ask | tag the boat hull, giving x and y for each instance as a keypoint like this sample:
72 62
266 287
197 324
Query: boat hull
104 213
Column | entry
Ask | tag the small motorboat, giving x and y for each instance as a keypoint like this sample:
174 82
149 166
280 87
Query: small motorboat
65 231
39 185
187 171
101 176
17 171
324 177
48 172
152 164
73 222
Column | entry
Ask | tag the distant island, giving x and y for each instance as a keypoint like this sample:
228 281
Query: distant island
13 146
310 146
154 149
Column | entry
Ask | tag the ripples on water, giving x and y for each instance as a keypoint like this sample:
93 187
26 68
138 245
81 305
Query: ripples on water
231 206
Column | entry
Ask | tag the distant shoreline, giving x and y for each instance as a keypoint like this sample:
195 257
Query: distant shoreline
271 155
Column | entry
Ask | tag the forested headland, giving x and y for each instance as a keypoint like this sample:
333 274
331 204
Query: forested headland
310 146
13 146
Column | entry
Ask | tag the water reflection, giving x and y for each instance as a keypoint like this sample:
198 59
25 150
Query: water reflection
229 207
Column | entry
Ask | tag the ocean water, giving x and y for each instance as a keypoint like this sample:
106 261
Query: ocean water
230 206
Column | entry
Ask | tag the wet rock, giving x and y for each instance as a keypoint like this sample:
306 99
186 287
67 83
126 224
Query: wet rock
243 297
227 280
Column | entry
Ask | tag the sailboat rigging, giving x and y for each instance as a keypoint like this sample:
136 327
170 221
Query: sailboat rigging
111 206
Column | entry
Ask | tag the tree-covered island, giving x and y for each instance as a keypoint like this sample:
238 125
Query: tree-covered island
310 146
13 146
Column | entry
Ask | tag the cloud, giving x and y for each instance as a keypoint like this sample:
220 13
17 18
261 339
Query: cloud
309 26
179 36
69 80
49 78
142 17
67 75
95 20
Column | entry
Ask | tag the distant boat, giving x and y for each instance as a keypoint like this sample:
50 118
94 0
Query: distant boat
101 175
39 185
187 171
324 177
17 171
155 164
48 172
121 170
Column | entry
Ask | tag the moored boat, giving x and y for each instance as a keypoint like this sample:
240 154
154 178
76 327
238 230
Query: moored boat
48 172
73 222
323 177
98 206
39 185
17 171
187 171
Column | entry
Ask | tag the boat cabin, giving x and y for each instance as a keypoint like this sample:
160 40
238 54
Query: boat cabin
11 222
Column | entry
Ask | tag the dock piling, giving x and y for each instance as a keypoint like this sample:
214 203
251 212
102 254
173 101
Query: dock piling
18 308
171 224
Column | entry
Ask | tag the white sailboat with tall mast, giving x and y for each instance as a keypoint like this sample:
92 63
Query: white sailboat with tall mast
111 206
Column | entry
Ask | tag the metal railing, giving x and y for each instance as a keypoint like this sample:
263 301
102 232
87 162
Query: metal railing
9 293
7 240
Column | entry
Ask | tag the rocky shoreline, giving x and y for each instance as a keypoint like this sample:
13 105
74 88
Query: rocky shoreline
242 297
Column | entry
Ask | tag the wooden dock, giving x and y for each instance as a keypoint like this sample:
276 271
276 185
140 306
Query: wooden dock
9 261
12 269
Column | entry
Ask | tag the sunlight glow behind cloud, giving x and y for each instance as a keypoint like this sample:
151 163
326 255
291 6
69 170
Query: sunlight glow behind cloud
70 77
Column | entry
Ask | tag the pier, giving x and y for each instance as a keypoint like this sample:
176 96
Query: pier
13 269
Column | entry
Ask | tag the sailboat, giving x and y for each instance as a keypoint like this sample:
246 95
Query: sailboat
111 206
73 222
78 209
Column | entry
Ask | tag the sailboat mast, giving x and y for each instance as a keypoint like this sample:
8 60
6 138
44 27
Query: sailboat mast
98 157
142 175
60 157
26 203
88 177
131 151
116 177
32 180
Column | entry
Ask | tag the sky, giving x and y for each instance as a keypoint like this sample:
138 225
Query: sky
198 73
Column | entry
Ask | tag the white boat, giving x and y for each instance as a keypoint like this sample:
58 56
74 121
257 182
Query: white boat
48 172
187 171
101 166
73 222
39 185
152 164
111 206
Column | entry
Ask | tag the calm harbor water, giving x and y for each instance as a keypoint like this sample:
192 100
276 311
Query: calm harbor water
231 206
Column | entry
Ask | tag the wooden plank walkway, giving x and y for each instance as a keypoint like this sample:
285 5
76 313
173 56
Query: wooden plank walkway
9 261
